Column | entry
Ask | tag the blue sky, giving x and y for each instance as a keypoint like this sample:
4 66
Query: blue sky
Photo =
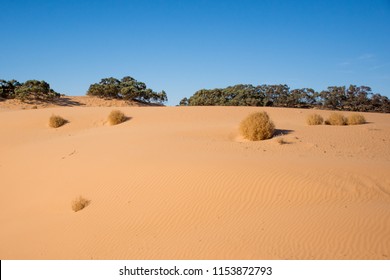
183 46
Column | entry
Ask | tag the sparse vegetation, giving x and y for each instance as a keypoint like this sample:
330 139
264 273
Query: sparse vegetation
281 141
336 119
57 121
80 203
356 119
314 119
257 126
116 117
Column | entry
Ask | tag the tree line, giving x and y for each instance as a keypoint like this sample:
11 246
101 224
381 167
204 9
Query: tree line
127 88
352 98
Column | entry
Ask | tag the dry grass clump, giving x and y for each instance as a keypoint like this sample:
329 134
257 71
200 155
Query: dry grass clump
79 204
336 119
116 117
314 119
257 126
356 119
281 141
56 121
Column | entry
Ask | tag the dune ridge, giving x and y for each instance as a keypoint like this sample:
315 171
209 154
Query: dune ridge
181 183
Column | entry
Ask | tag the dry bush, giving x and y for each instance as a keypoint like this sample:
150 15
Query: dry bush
116 117
257 126
281 141
56 121
336 119
314 119
80 203
356 119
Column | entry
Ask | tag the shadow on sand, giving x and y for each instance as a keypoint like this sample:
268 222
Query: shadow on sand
281 132
66 101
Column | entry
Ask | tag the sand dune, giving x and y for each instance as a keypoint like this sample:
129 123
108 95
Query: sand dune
67 101
180 183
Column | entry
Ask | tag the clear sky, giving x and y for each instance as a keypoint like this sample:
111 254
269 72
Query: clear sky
183 46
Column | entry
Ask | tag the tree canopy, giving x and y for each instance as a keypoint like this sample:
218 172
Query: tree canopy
127 88
27 91
353 98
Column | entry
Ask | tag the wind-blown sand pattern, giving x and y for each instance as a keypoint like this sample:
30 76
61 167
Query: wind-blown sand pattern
180 183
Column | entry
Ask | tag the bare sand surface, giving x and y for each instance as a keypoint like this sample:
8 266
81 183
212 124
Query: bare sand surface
180 183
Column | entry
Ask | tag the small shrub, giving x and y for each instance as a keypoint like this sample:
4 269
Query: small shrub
281 141
314 119
79 204
116 117
257 126
56 121
356 119
34 107
336 119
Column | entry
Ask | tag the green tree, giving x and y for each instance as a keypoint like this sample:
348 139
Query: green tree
358 98
35 90
106 88
7 88
133 90
302 98
161 97
379 103
334 97
127 88
184 102
280 95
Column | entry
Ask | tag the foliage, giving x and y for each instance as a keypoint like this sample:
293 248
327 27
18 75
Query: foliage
184 102
238 95
257 126
107 88
7 88
27 91
127 88
353 98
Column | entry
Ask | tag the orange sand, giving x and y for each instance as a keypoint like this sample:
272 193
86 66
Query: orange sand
180 183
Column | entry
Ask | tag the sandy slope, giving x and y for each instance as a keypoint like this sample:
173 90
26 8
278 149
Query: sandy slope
66 101
180 183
